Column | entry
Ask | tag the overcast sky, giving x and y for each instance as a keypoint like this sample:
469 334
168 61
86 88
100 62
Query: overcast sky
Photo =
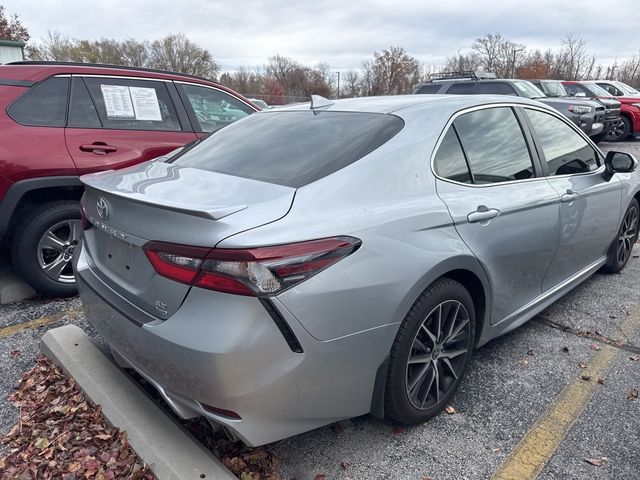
341 33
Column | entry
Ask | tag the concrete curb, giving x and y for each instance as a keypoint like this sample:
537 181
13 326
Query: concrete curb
170 450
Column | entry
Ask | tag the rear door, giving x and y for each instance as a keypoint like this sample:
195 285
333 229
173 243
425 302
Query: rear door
502 207
115 122
590 206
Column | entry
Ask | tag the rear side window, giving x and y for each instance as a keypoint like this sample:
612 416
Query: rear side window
496 88
430 88
463 88
43 105
449 161
292 148
564 149
132 104
495 145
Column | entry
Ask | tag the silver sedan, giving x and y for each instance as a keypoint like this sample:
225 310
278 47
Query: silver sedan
318 262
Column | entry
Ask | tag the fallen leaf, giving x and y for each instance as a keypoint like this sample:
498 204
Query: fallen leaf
598 462
41 443
586 378
582 365
612 316
565 349
595 346
633 394
496 450
450 410
600 381
634 358
345 465
531 353
15 353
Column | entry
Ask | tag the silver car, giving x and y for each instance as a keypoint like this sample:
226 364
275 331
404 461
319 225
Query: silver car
318 262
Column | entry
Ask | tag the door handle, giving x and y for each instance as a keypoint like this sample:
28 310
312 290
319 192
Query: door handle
483 213
570 196
99 148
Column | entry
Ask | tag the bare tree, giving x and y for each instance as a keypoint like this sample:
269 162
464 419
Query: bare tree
351 83
573 55
11 28
177 53
394 71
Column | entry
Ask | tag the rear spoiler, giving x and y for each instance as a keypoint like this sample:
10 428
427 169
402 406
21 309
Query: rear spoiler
211 212
12 82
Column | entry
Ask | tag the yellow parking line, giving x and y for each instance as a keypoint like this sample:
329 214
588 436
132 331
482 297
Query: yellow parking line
542 440
39 322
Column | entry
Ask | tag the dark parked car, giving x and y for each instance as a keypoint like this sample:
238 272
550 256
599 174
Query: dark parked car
630 108
60 121
612 119
588 115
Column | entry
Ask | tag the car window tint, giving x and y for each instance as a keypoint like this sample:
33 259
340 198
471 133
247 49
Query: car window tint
574 88
565 150
495 145
462 88
44 104
496 88
214 108
132 104
82 111
449 161
430 88
291 148
610 88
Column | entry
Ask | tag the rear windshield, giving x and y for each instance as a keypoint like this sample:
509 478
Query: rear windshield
291 148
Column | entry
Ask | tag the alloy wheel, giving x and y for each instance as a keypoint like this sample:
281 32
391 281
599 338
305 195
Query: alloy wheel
628 235
437 355
617 131
55 250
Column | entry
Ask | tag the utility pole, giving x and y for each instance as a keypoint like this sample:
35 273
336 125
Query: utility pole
338 73
513 63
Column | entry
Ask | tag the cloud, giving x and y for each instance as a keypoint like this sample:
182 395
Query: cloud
340 33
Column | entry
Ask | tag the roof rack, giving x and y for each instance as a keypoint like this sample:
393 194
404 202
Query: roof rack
107 65
461 75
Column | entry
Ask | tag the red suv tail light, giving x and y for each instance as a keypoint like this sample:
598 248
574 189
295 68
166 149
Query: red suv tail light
253 271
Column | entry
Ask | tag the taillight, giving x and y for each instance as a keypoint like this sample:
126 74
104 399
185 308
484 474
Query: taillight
253 271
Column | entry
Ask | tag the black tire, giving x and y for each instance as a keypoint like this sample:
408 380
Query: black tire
26 251
621 132
621 247
401 398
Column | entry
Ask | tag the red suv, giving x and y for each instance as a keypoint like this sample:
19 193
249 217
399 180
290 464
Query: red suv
629 109
60 121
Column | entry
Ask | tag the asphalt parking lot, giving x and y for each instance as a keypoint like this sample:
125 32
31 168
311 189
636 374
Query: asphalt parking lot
544 398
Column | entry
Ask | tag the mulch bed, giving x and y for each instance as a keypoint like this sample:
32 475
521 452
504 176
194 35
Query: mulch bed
62 435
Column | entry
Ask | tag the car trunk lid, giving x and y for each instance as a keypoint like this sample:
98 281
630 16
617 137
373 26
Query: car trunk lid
161 202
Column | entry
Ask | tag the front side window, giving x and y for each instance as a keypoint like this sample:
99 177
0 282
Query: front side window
495 145
214 108
291 148
496 88
449 161
133 104
43 105
430 88
575 89
610 89
565 151
462 88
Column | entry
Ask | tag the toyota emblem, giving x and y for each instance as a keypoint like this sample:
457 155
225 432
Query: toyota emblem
103 208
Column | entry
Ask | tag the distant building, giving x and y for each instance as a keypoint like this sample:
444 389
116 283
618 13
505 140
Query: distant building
11 51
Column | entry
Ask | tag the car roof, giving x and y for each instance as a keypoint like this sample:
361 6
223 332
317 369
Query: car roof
395 103
36 71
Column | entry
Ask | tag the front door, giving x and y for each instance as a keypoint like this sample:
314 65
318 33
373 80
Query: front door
590 205
501 205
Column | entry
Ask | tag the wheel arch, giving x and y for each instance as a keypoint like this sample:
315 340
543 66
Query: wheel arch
465 270
25 194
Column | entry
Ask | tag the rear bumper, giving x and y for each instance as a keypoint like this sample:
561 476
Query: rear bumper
227 352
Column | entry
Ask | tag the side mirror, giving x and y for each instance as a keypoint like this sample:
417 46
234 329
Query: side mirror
618 162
